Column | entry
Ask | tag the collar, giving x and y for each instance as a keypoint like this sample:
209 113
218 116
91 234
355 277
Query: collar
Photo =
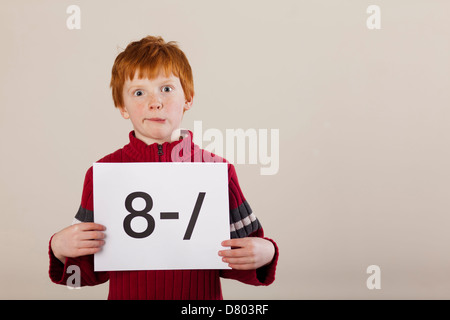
155 152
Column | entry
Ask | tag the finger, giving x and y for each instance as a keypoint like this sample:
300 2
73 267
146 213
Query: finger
239 242
88 251
239 261
234 253
92 235
91 226
242 266
91 244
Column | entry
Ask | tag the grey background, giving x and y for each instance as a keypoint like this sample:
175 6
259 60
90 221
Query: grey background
363 118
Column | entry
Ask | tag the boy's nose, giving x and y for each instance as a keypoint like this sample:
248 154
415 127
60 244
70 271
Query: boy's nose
154 103
156 106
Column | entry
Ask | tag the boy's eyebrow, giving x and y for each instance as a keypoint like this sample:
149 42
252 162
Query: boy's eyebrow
141 82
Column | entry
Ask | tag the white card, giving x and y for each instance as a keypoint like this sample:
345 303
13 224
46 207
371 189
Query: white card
161 216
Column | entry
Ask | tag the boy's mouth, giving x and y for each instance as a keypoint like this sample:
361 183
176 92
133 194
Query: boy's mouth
159 120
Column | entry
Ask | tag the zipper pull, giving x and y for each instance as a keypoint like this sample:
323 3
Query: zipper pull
160 150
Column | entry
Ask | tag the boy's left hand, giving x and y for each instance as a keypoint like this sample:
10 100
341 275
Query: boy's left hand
247 253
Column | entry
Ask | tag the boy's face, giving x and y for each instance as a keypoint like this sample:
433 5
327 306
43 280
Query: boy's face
154 106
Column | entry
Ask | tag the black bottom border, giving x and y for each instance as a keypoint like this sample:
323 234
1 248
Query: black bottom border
227 309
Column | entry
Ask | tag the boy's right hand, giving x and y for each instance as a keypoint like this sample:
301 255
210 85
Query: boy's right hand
78 240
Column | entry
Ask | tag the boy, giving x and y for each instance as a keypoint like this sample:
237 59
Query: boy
152 85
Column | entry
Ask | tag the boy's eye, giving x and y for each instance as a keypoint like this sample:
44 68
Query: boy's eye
166 89
138 93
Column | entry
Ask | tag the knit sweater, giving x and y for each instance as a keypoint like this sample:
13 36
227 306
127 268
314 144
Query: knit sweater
167 284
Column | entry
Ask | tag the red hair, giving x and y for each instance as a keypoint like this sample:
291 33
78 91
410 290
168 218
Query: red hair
149 56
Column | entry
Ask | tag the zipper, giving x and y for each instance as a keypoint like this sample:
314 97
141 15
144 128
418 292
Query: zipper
160 151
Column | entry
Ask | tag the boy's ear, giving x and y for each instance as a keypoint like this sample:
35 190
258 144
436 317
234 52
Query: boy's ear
124 113
188 104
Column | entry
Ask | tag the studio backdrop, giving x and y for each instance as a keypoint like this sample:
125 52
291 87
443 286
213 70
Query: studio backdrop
341 109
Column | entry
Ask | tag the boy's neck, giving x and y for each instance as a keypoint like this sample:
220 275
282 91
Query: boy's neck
148 141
